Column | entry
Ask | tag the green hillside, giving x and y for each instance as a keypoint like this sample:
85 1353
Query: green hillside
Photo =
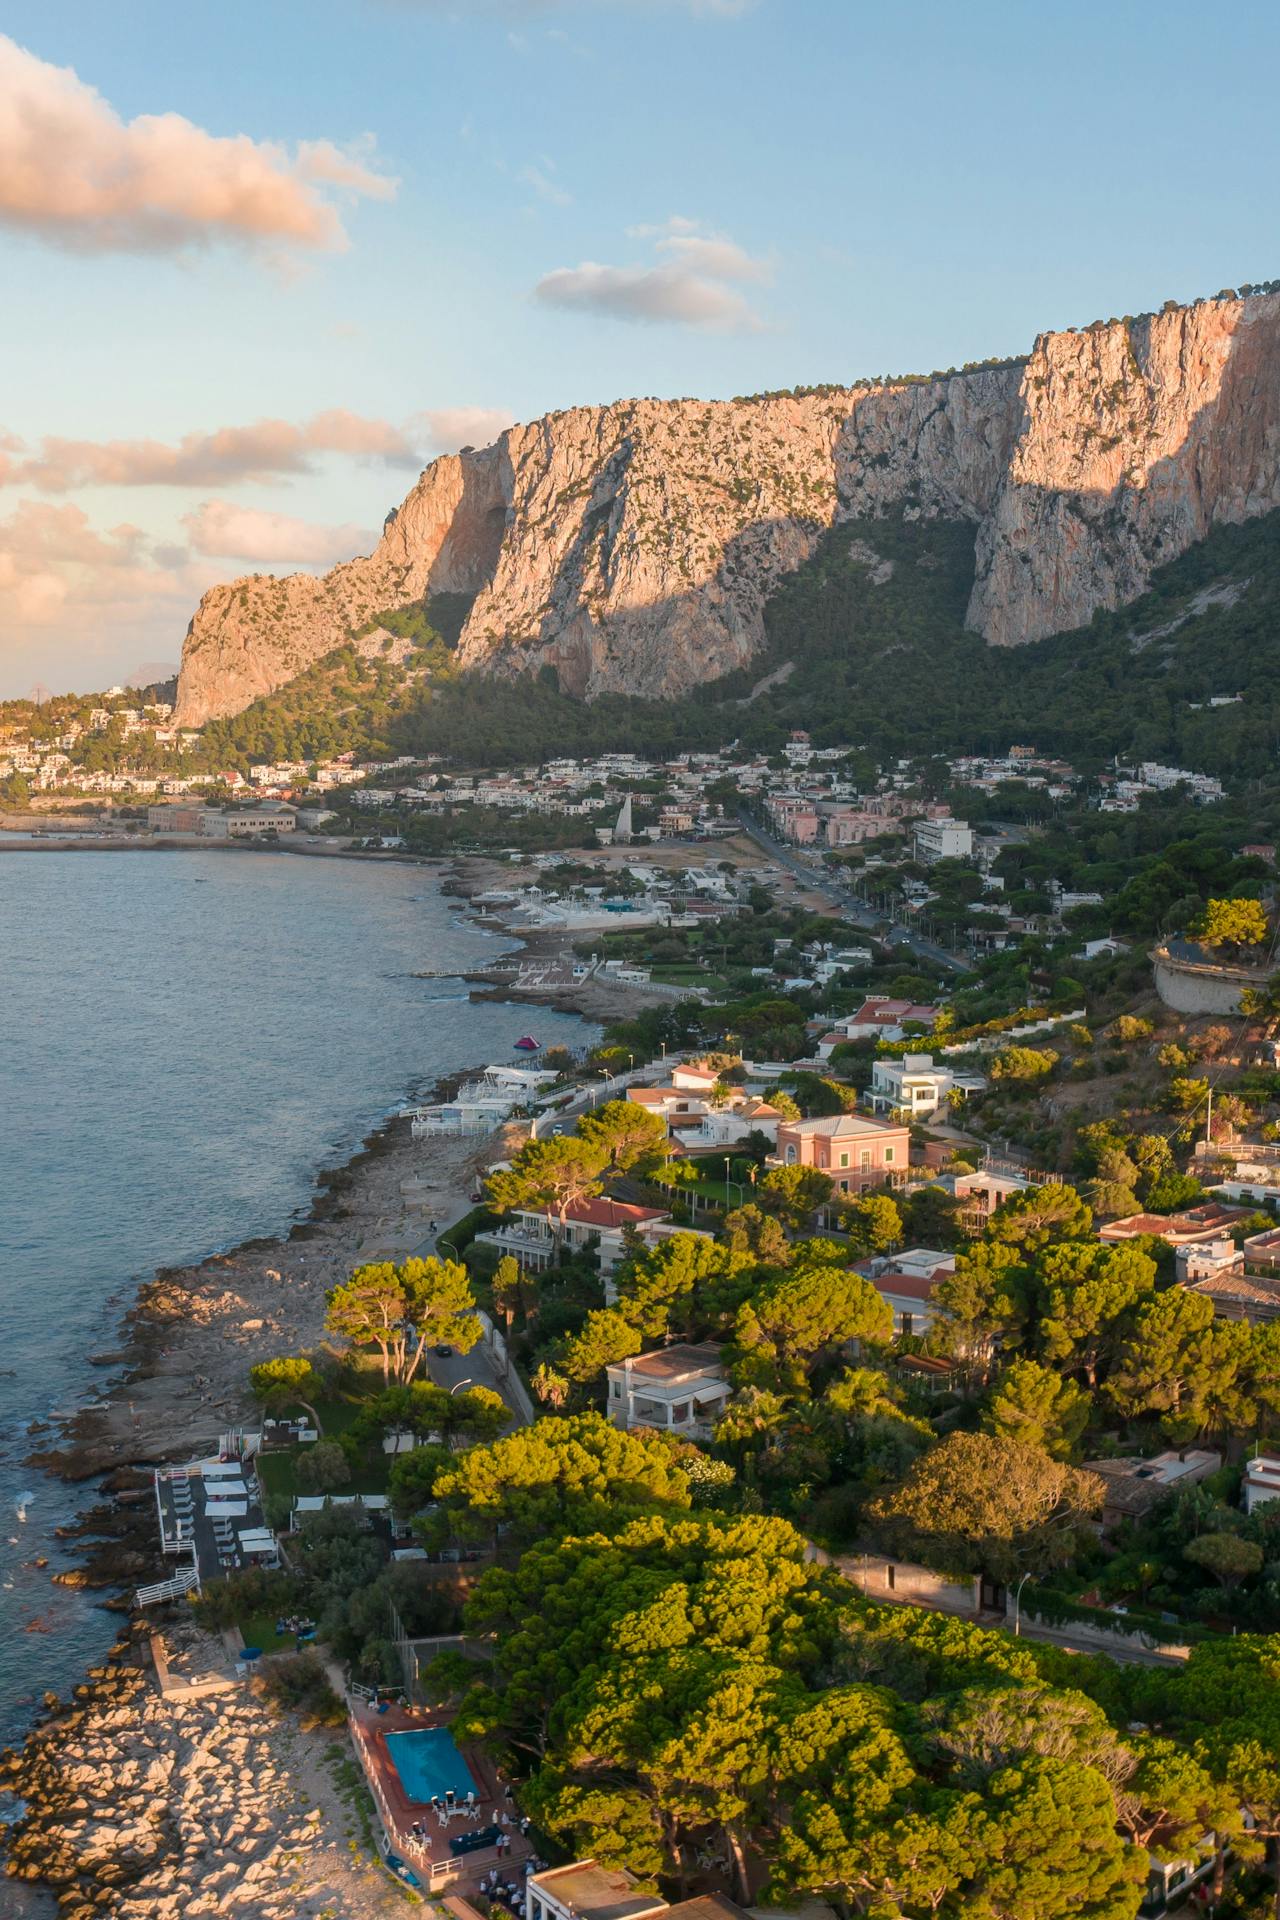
870 632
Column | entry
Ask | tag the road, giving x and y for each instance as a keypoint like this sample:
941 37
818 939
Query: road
850 906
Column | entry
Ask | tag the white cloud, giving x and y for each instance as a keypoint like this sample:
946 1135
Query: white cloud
73 173
445 429
694 282
219 529
265 450
539 178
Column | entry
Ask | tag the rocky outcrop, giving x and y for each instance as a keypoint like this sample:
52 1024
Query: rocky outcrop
1138 437
151 1805
253 636
633 547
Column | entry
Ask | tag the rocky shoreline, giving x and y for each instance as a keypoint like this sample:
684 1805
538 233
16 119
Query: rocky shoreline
153 1802
177 1379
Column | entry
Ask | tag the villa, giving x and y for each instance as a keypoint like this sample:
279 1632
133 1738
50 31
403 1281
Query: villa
586 1890
915 1087
536 1239
680 1389
854 1151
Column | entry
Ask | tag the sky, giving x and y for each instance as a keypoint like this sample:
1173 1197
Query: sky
260 262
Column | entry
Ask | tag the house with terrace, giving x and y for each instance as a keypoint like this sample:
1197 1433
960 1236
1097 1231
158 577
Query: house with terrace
680 1389
538 1238
588 1890
916 1087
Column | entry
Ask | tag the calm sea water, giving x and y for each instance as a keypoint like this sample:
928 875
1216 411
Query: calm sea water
185 1037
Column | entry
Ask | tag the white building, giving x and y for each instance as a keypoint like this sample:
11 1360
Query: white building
943 839
914 1086
680 1389
1261 1481
535 1238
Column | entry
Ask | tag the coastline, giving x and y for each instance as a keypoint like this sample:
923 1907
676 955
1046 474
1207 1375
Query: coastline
177 1376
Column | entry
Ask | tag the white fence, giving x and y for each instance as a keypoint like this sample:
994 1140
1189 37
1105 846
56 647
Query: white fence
182 1582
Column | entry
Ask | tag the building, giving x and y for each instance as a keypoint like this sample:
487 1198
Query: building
588 1891
1236 1295
980 1193
1261 1482
269 817
1262 1251
1208 1260
537 1239
680 1389
1195 1225
855 1152
174 819
943 839
1133 1485
915 1087
880 1018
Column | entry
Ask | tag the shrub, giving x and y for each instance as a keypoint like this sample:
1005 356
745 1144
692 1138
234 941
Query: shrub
298 1683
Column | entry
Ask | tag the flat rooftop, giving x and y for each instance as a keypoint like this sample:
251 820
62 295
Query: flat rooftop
674 1363
597 1893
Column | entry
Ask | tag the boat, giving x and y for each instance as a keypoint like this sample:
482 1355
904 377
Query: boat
527 1044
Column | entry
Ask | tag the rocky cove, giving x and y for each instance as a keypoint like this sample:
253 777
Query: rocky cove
153 1803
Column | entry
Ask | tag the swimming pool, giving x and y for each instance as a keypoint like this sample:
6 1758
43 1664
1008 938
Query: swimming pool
428 1762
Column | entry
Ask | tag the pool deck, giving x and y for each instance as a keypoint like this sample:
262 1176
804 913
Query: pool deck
430 1856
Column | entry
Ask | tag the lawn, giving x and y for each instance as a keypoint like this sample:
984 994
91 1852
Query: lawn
259 1630
278 1471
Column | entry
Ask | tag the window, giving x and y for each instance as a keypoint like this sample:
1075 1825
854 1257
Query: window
844 1159
888 1156
616 1389
864 1159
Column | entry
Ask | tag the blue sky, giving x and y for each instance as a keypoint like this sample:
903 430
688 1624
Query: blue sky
591 199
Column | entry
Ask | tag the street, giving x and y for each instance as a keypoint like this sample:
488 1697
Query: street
851 908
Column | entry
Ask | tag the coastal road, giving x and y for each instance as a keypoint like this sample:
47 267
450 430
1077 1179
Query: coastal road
850 906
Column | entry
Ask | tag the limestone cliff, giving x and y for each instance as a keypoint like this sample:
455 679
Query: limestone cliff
633 546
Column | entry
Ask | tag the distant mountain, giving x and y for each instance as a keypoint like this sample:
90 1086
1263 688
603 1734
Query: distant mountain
633 548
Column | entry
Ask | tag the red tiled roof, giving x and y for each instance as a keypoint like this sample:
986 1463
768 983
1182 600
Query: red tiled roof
910 1286
603 1212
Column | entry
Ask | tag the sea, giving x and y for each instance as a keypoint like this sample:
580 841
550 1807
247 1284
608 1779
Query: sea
186 1037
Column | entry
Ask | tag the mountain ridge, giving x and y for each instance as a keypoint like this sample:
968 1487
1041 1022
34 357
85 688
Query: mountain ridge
633 547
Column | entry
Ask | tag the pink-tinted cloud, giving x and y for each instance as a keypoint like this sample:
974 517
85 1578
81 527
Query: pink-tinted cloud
445 429
266 450
69 592
219 529
74 173
263 451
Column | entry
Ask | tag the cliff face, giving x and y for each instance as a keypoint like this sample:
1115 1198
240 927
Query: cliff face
1136 441
633 546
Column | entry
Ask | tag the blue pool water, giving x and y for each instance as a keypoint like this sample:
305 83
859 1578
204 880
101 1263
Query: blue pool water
428 1762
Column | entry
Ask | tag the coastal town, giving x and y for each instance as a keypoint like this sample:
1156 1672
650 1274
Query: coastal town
906 1245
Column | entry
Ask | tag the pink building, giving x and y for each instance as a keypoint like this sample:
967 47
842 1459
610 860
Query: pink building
853 1151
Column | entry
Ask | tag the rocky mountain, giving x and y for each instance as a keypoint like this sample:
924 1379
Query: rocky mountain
633 547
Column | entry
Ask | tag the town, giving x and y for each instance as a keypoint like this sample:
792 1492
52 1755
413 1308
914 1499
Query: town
874 1335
